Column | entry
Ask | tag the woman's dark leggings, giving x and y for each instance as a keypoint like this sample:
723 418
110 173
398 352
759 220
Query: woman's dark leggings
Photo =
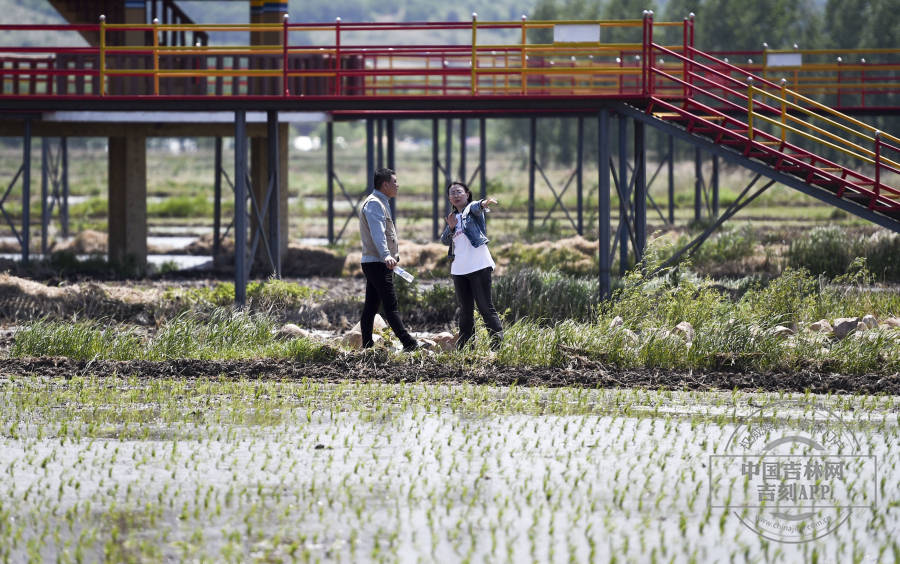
471 290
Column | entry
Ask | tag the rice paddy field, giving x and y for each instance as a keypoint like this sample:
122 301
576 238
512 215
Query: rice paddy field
117 468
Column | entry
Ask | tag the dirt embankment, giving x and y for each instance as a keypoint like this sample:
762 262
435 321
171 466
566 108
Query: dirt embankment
376 367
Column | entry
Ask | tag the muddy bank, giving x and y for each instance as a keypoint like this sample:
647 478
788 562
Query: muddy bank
378 367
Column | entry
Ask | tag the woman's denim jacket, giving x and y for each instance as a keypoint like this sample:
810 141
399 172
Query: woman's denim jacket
473 225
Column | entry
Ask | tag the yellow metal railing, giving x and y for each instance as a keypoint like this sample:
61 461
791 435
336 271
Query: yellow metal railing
813 110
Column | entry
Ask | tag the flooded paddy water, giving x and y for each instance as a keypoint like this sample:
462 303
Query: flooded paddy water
234 469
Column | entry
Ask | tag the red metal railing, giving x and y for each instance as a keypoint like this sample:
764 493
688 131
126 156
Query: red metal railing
766 121
424 59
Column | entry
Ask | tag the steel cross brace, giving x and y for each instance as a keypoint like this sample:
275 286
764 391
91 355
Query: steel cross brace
54 176
354 205
557 197
25 173
6 216
739 203
625 223
260 231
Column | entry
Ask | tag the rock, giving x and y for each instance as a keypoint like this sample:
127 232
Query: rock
353 339
892 322
616 322
377 326
631 337
844 325
861 327
685 330
821 326
292 331
88 242
870 321
782 331
427 344
445 340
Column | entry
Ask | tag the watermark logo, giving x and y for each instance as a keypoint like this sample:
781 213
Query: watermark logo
793 472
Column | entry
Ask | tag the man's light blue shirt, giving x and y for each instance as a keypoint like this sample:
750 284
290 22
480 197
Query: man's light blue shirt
375 216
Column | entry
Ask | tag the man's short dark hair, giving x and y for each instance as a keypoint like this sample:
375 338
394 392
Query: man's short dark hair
382 175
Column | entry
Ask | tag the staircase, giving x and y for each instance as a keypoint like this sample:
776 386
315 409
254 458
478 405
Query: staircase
776 132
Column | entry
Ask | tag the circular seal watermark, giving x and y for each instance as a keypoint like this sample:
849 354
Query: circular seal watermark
793 472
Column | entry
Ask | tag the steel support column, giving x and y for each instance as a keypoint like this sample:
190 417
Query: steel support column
579 164
390 161
64 204
671 166
370 155
26 193
482 157
379 143
435 188
217 202
698 184
448 155
45 205
715 186
640 192
274 195
624 232
240 207
329 171
532 160
603 208
462 150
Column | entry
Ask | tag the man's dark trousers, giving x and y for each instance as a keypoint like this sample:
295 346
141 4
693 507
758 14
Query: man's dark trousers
380 292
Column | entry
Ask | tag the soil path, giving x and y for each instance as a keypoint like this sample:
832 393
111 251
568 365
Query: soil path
360 367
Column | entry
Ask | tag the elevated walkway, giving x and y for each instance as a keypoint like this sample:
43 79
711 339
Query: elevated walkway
785 116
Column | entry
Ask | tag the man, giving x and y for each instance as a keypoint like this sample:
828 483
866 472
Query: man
379 257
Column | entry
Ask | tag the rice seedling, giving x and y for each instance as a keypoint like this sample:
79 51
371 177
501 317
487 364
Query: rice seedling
282 470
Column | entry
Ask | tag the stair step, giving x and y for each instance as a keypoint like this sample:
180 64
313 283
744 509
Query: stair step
667 115
830 168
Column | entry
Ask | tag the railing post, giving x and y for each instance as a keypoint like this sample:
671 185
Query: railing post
474 88
783 111
524 57
862 80
284 55
750 107
877 169
337 56
647 87
155 57
839 61
644 88
685 70
102 55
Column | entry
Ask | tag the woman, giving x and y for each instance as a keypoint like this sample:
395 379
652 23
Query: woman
472 263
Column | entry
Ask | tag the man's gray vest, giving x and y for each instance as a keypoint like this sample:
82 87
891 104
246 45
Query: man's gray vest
368 245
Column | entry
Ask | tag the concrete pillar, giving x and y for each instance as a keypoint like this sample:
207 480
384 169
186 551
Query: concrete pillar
128 200
259 182
268 11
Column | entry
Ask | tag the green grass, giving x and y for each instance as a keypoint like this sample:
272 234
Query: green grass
267 294
223 334
559 318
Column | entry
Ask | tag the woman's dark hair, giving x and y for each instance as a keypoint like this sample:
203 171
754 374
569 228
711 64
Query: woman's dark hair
463 186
